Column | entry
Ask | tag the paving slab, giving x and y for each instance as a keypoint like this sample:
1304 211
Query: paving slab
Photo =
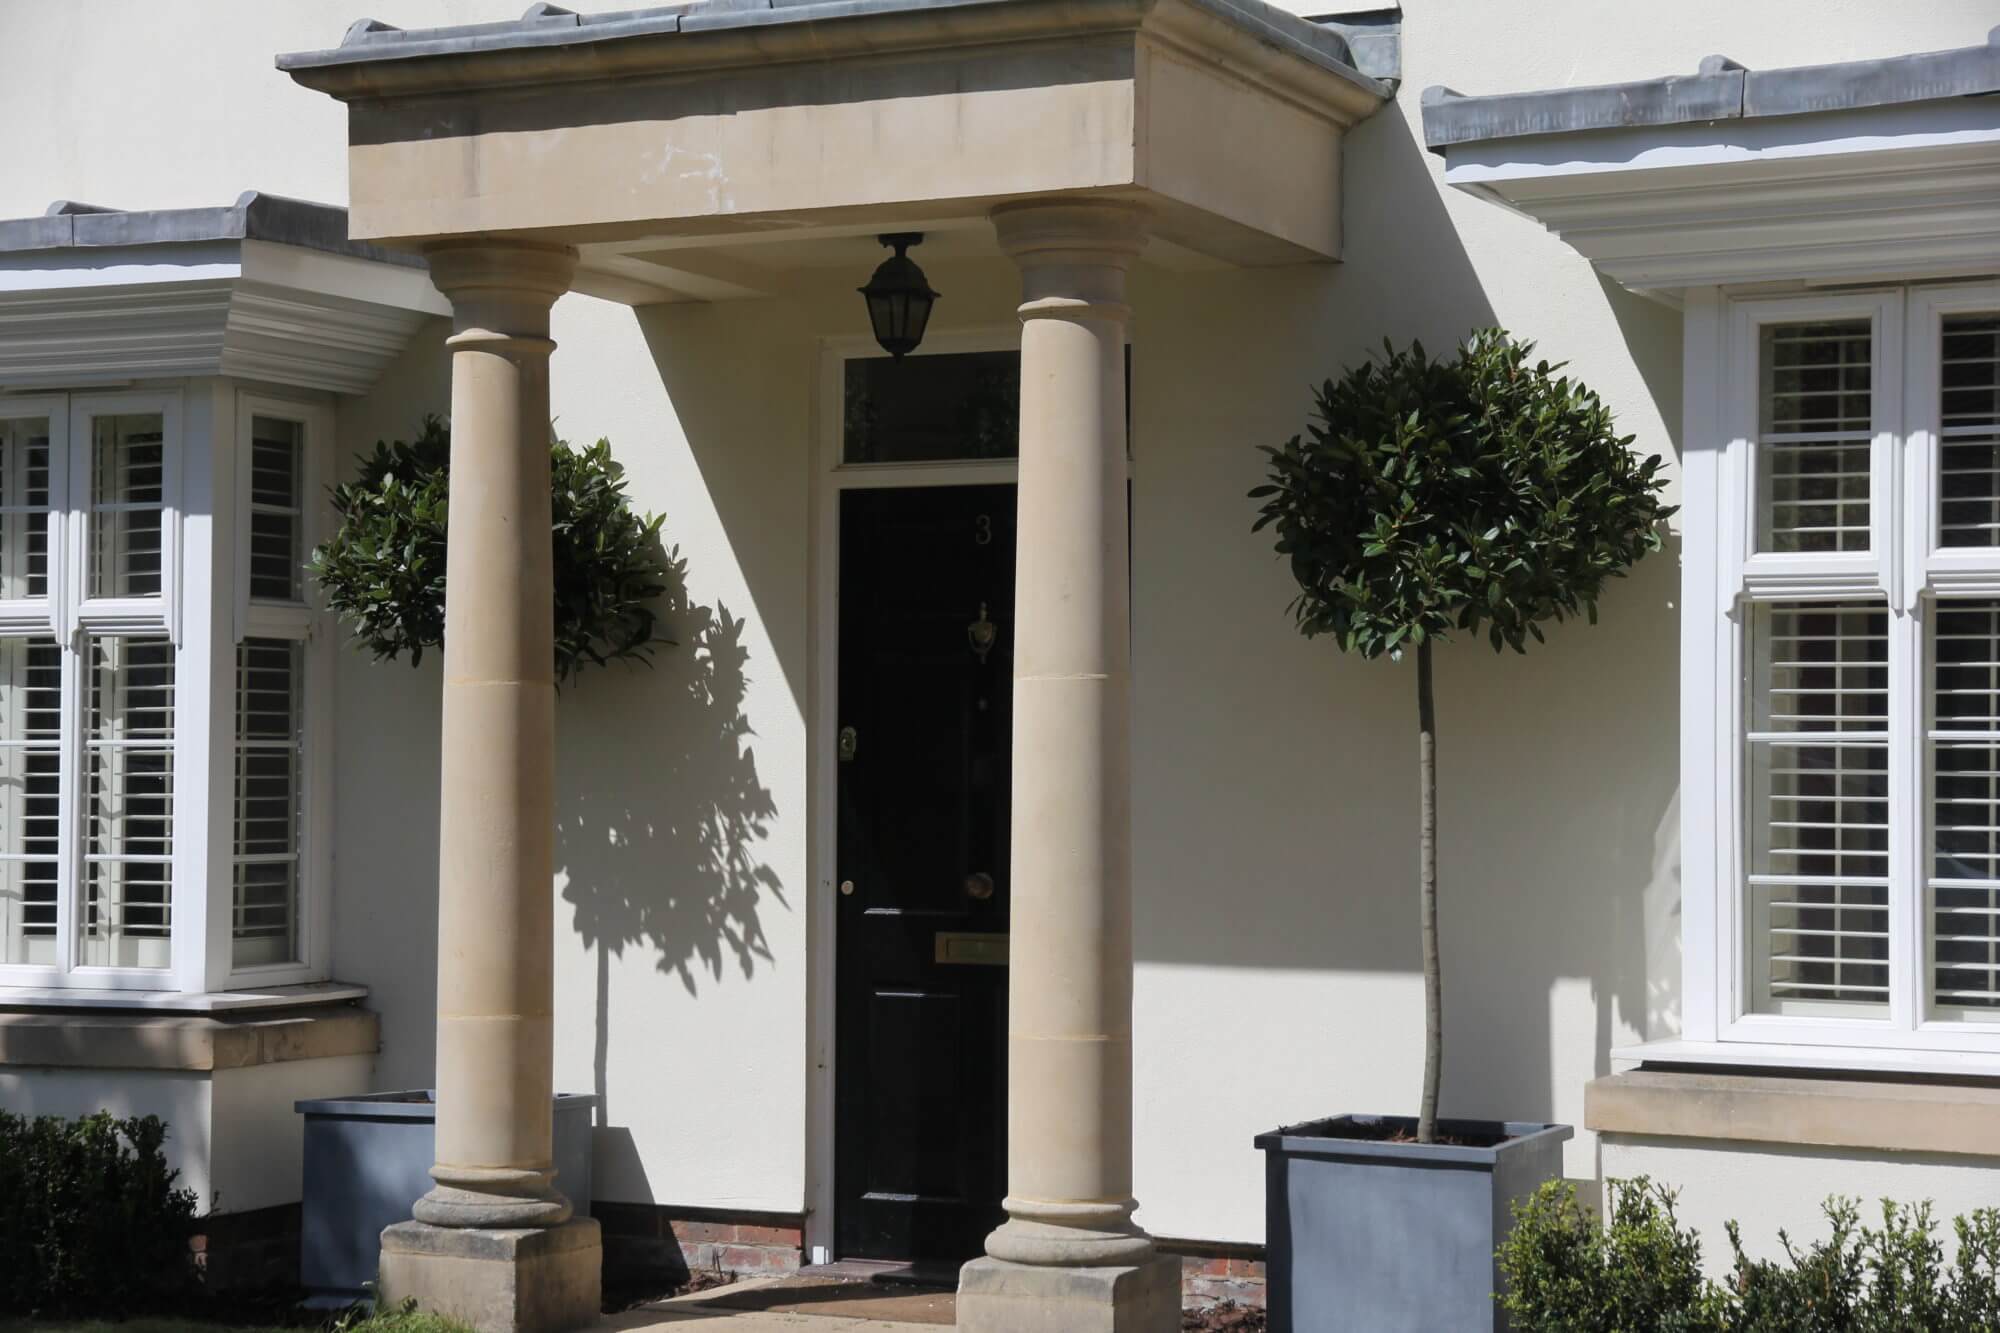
804 1304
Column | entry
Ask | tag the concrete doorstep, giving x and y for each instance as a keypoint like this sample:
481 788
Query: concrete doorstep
777 1305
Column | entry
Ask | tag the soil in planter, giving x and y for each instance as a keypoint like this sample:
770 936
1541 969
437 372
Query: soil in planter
1228 1317
1384 1132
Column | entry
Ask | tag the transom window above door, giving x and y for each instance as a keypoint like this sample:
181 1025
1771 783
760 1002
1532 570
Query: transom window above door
946 407
937 407
1852 848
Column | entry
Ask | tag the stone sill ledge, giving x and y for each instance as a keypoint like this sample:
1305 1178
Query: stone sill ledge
69 1039
174 1001
1863 1062
1834 1111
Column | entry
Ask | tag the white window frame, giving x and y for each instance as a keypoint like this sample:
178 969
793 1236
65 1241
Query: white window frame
1724 575
205 610
255 618
44 616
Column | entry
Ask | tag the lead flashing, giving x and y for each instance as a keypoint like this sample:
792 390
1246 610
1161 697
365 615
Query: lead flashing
1720 90
547 27
254 216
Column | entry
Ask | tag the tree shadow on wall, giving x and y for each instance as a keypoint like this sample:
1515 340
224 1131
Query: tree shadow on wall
660 814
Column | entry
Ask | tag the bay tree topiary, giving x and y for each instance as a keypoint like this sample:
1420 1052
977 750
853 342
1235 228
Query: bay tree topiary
1483 494
383 568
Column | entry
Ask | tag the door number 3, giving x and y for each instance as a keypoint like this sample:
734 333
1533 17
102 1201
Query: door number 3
982 530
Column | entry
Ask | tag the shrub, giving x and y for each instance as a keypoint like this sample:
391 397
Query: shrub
1641 1273
383 569
1566 1273
90 1219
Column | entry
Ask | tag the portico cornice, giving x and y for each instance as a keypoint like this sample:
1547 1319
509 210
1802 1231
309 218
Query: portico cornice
552 46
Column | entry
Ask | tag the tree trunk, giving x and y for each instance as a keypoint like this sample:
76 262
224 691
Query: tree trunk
1427 877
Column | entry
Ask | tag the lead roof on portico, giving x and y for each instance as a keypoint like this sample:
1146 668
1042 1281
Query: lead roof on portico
1362 46
255 216
1720 89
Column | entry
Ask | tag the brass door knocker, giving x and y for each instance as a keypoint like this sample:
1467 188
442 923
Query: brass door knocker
982 633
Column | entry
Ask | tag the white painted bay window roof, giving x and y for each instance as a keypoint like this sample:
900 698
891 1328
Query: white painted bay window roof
167 391
1824 173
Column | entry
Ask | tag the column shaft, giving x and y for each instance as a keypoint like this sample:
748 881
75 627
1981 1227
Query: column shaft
495 1078
1069 1121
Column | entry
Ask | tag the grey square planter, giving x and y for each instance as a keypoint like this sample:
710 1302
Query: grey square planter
368 1160
1366 1236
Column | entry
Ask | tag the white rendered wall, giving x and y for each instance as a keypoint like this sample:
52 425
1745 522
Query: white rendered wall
258 1138
232 1134
181 1098
1275 810
1766 1188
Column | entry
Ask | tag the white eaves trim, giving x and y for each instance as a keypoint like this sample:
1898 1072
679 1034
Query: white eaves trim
1876 194
253 309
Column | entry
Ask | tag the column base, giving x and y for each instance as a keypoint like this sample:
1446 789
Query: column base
526 1281
995 1296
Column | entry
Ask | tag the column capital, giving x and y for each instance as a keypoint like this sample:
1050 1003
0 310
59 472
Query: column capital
1072 253
501 286
1066 231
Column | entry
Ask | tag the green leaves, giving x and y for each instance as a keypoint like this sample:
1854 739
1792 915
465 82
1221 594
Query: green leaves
383 570
1479 494
92 1220
1641 1272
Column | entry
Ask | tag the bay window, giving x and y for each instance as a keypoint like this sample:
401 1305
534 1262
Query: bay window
1842 670
157 685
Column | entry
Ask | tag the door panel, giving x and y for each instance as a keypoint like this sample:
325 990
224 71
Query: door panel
926 582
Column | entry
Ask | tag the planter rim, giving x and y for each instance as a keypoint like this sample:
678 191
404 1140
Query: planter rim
1303 1139
396 1106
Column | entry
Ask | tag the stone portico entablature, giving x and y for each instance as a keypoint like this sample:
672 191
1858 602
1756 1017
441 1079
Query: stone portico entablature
653 141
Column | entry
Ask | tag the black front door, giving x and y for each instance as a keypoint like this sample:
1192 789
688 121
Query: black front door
926 665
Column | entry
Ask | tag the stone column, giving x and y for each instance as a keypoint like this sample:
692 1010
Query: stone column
494 1241
1069 1256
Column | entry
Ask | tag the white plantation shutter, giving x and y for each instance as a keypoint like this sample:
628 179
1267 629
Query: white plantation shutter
129 802
24 509
1963 875
30 767
276 472
1964 881
1969 431
128 506
1819 764
1815 437
269 755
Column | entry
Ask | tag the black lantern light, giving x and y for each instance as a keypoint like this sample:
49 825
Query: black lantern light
899 297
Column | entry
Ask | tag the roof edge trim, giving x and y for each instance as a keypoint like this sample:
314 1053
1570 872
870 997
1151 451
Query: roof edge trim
555 45
1720 90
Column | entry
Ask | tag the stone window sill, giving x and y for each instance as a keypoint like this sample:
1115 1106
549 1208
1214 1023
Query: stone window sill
185 1002
141 1032
1875 1113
